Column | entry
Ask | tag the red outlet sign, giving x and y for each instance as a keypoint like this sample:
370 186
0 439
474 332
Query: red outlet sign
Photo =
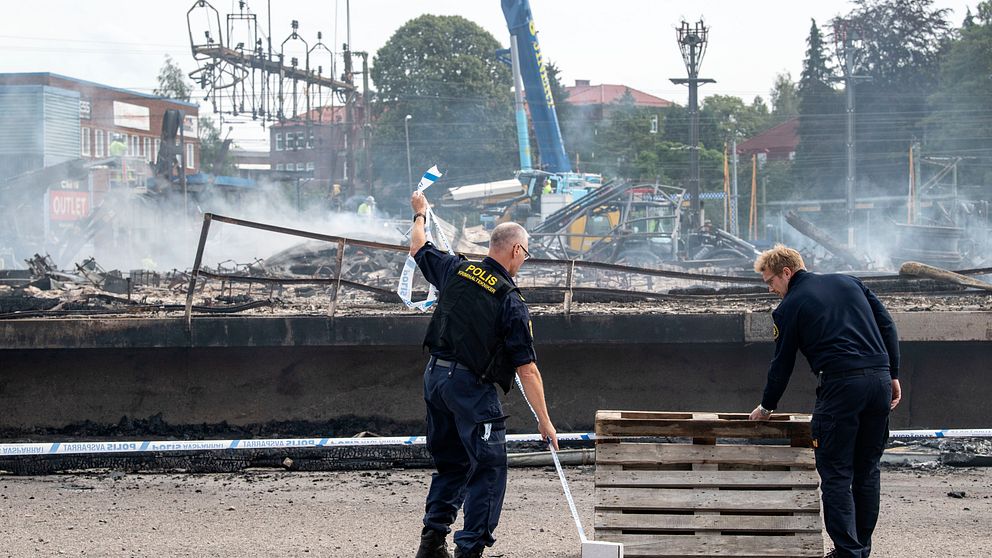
64 205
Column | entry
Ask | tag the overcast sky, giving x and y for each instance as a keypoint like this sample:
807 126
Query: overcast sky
630 42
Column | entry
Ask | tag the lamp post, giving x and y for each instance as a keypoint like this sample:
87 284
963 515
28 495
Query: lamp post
406 128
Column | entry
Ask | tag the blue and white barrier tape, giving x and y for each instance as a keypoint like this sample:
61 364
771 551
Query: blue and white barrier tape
946 433
64 448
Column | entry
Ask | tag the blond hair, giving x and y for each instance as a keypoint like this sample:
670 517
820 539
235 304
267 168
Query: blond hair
779 258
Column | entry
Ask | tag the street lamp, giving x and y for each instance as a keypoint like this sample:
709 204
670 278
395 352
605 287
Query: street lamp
406 128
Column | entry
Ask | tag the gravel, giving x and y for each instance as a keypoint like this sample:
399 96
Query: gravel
377 514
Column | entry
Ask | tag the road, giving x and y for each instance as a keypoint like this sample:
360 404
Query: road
377 514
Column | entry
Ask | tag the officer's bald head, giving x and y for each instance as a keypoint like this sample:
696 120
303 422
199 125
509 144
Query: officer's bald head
505 236
508 245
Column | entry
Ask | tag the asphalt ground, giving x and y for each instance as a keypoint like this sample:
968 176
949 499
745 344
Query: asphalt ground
926 511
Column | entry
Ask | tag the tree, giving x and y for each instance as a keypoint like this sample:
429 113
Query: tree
962 106
900 51
172 82
784 98
818 166
213 149
443 71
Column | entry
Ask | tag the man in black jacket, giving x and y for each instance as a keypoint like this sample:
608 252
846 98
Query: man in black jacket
852 345
479 337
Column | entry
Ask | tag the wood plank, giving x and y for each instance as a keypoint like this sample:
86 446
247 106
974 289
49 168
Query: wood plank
800 479
708 499
707 425
661 546
690 415
660 522
646 453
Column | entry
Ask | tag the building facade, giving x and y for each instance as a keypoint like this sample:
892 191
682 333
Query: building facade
44 102
65 185
596 100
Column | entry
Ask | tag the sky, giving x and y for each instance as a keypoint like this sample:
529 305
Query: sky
629 42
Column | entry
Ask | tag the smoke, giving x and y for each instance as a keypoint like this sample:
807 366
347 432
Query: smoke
129 229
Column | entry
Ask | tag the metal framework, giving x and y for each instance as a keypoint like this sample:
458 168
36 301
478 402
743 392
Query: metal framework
692 42
244 76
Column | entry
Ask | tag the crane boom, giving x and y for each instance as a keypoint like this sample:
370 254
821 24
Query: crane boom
520 22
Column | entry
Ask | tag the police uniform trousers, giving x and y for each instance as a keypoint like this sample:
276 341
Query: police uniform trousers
466 436
850 427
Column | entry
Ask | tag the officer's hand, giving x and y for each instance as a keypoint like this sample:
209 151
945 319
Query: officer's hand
418 202
756 414
548 432
896 394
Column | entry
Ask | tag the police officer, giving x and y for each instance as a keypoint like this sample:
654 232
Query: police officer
849 339
479 337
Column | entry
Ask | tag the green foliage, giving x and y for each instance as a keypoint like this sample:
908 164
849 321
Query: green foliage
784 98
962 104
172 82
818 167
443 71
900 52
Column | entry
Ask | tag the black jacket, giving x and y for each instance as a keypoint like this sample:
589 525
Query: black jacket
837 323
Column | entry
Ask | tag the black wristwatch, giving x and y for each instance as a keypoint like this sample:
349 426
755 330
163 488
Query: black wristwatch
415 215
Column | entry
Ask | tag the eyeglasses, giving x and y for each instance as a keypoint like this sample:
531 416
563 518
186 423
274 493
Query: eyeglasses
526 253
770 279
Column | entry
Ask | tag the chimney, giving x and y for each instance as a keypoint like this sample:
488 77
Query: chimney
582 83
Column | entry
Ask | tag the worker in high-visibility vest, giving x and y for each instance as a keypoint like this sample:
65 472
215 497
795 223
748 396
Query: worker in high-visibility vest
367 209
118 148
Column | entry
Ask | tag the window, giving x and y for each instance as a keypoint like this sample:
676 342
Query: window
300 166
148 149
279 146
189 156
300 140
135 146
158 147
310 166
280 167
127 145
84 142
99 146
310 140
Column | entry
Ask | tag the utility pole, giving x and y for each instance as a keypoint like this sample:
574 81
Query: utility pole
734 221
692 43
846 37
349 119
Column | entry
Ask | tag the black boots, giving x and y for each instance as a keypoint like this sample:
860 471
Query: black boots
477 553
433 544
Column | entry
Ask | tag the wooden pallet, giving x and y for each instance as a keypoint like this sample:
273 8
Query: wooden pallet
706 497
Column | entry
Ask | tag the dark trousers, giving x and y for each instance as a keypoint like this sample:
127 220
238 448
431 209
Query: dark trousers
850 427
466 436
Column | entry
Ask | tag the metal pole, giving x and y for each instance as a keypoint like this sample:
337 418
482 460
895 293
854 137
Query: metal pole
694 137
734 220
406 129
196 267
849 89
337 280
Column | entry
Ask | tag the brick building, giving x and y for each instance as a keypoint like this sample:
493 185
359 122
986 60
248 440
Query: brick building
314 146
597 99
57 170
778 143
40 122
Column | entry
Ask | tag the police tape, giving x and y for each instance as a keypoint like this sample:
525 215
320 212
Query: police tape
945 433
65 448
405 286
